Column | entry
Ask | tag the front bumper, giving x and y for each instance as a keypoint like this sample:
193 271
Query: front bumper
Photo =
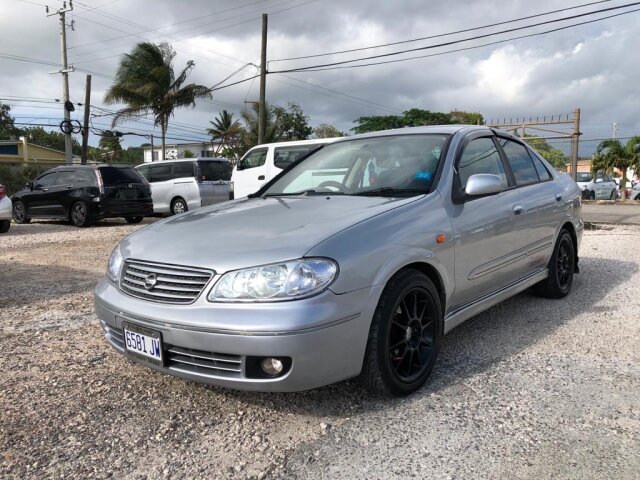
324 336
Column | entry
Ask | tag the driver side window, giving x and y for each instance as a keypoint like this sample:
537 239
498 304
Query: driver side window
480 156
253 159
45 180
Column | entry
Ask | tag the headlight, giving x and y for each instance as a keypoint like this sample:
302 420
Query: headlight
115 264
276 282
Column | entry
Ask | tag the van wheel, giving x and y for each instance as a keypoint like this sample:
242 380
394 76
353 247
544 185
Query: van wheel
405 336
20 213
561 267
133 219
4 226
178 206
592 195
80 215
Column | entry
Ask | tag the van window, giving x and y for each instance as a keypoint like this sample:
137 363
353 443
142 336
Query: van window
144 171
85 176
253 159
182 169
214 171
66 177
160 173
285 156
117 175
46 180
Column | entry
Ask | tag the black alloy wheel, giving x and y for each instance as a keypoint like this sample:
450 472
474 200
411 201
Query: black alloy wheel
20 213
80 214
561 269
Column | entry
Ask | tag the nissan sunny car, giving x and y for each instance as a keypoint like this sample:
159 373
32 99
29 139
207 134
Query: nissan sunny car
353 262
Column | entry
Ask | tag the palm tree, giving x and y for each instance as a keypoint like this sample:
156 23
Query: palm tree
611 154
272 130
147 83
225 130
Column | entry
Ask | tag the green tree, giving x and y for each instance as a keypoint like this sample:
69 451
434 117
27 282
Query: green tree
8 130
110 144
415 117
466 118
188 154
225 131
554 156
612 155
324 130
273 127
44 138
294 124
132 155
147 83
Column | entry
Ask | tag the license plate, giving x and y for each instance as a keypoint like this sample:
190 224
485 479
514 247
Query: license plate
143 342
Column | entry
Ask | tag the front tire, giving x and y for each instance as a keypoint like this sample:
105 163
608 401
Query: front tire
20 213
80 215
613 195
405 336
133 219
561 267
4 226
592 195
178 206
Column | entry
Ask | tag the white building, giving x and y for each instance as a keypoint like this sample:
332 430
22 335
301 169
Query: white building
176 150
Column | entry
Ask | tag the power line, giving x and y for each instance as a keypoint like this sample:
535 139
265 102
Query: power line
314 69
454 42
441 34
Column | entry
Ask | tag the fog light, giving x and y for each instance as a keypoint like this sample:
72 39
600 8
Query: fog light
271 366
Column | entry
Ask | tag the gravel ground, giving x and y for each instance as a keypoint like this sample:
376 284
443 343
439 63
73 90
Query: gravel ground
532 388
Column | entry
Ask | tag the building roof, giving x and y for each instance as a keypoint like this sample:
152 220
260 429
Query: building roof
19 142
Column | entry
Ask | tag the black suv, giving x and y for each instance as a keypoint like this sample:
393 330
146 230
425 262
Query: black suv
84 194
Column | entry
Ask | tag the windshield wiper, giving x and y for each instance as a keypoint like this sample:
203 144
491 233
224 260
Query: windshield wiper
384 191
303 192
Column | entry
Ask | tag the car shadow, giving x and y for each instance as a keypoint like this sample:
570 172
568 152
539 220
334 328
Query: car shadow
484 340
52 226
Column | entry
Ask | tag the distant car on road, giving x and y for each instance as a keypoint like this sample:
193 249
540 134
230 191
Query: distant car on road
634 194
5 210
178 186
307 283
598 187
83 194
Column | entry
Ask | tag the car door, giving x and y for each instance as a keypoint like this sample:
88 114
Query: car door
542 199
251 172
599 186
162 188
64 191
489 239
213 180
39 200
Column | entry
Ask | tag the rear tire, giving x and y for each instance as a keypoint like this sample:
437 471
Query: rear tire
592 195
405 336
561 267
4 226
20 213
178 206
613 195
133 219
79 215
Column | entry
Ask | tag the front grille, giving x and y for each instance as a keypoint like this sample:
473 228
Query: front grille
203 363
173 284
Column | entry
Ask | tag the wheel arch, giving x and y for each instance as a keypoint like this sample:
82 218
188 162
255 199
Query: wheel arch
569 227
432 273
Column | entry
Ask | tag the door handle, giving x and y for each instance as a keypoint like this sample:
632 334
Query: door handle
45 189
261 177
518 209
558 197
69 187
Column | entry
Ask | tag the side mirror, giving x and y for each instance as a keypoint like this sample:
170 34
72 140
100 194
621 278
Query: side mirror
483 184
30 185
598 180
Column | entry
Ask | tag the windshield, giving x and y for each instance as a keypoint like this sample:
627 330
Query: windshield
211 170
584 177
395 165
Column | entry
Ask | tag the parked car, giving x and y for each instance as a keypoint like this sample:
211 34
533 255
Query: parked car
300 286
634 194
263 162
599 187
5 210
178 186
84 194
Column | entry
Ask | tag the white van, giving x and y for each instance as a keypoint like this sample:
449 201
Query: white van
263 162
181 185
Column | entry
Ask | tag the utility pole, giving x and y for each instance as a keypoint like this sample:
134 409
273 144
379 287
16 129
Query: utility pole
85 126
68 144
262 111
575 141
614 129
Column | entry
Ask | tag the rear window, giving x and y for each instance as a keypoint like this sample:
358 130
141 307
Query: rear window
116 175
214 171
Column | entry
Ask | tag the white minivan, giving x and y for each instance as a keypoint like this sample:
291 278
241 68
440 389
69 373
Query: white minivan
263 162
181 185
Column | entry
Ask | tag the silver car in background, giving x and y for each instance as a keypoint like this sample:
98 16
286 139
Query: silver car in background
306 284
6 210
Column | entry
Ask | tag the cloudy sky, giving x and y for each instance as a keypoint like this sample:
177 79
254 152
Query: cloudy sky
593 66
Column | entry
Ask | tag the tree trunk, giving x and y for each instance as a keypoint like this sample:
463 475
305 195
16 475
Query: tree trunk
623 185
163 127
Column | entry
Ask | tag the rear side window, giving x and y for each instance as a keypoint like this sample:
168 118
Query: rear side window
285 156
66 177
144 171
214 171
117 175
182 169
521 164
543 173
160 173
253 159
86 176
481 156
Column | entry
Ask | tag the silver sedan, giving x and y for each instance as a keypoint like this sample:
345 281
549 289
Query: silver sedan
355 261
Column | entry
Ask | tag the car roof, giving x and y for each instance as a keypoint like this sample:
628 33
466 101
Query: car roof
293 143
178 160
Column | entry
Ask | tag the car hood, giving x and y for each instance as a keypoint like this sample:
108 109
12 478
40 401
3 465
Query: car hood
249 232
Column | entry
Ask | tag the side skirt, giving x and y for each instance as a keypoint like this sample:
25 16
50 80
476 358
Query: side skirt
465 312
